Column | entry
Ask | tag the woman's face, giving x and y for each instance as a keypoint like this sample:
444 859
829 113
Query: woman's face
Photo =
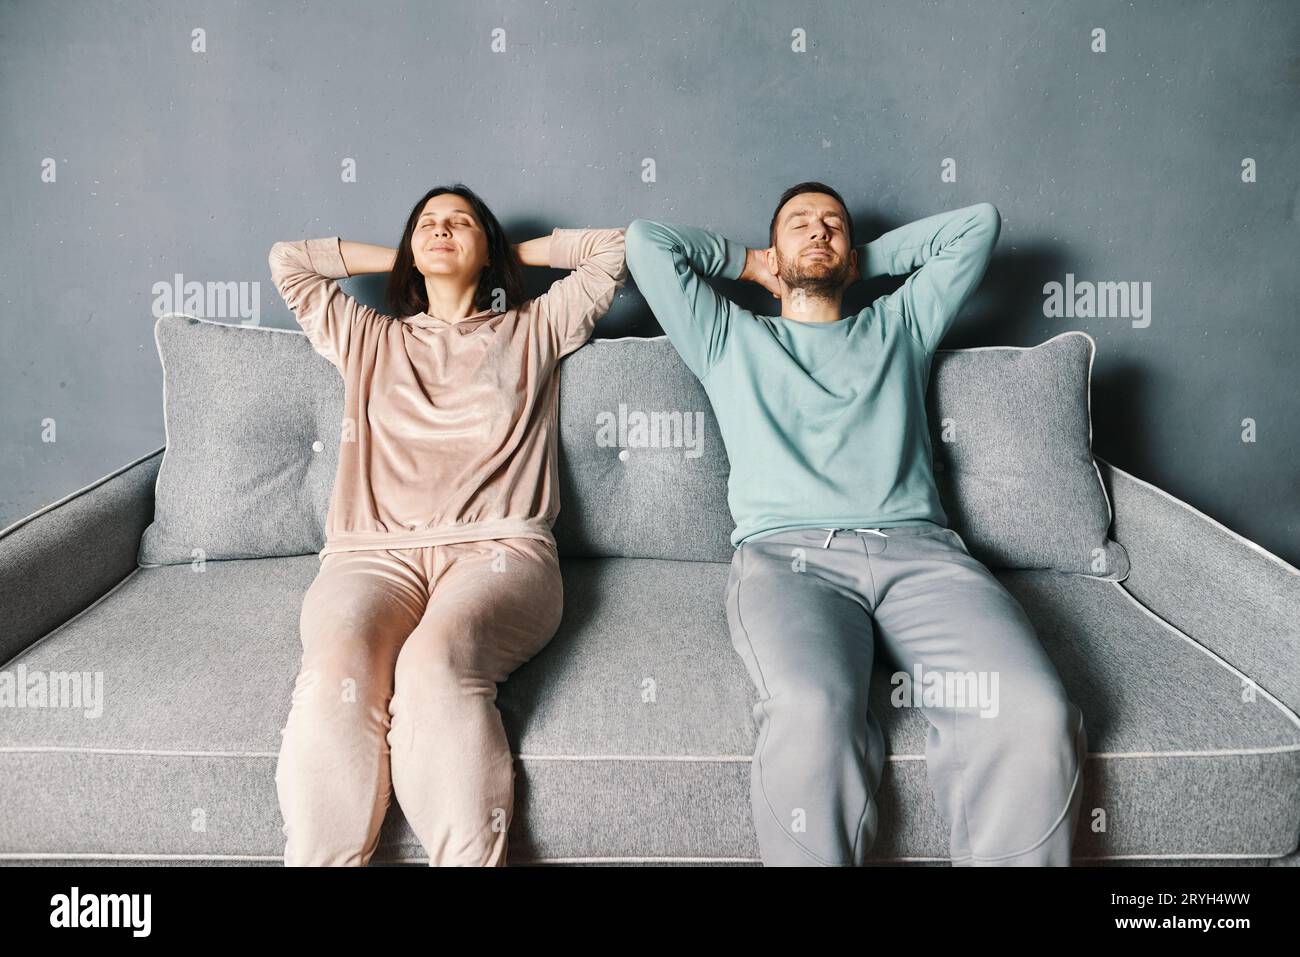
448 241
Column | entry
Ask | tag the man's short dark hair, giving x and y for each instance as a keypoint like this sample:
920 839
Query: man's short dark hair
809 187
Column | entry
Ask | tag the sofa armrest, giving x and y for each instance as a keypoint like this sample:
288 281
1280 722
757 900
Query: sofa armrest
1219 588
59 560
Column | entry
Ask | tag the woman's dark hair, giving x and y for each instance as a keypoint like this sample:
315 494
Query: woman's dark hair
809 187
405 294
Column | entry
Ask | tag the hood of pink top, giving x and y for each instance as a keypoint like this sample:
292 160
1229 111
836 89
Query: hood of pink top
426 321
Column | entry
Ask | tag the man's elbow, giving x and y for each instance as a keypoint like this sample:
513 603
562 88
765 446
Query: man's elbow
641 243
638 233
989 214
645 234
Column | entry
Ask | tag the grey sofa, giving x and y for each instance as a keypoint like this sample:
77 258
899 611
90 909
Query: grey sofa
633 728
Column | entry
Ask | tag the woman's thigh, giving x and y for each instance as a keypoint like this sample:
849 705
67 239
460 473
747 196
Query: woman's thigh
492 606
355 615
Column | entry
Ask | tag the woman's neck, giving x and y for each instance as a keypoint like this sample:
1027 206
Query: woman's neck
449 302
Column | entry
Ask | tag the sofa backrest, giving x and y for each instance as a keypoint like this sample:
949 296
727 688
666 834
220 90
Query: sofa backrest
643 470
252 418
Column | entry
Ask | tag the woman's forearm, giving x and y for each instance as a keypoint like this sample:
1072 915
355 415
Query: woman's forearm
535 252
363 258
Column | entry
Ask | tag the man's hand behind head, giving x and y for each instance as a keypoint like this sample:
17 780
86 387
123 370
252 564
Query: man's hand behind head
756 271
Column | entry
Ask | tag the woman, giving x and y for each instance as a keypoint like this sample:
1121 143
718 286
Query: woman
439 575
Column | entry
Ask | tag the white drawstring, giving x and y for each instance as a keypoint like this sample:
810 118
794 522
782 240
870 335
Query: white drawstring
832 531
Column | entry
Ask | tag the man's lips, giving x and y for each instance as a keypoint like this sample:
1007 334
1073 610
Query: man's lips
818 252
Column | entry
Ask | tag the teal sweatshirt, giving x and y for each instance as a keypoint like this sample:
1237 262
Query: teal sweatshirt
824 423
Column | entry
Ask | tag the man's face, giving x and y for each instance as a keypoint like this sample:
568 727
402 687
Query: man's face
812 249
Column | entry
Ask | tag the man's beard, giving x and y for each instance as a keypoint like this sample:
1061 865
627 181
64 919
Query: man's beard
815 283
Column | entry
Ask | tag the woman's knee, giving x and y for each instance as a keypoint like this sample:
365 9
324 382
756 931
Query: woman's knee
442 663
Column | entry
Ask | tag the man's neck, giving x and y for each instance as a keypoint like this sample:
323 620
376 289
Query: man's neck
810 309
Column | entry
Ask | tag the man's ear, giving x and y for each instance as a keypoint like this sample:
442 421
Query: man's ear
769 260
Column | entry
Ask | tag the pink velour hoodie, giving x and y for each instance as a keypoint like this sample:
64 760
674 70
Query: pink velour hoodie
449 428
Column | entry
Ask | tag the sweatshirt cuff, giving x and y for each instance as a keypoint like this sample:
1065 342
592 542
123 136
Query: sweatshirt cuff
565 248
327 258
733 263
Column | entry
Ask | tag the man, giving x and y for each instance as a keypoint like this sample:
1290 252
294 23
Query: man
839 531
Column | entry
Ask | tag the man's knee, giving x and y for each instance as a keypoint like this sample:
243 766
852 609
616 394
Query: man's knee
1040 726
826 708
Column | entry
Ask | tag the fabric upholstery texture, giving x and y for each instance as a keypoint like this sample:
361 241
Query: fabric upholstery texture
643 467
1185 670
198 668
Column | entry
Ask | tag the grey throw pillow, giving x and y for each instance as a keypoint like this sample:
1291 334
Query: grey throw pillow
1011 429
253 423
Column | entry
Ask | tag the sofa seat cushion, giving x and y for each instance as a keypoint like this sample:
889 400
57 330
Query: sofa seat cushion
633 727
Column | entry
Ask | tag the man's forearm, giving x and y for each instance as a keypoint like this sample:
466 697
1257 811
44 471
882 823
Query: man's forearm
706 252
669 263
900 251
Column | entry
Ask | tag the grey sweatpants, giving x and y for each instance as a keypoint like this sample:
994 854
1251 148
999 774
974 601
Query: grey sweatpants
1005 746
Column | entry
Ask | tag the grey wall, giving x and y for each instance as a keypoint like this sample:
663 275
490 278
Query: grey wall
1116 166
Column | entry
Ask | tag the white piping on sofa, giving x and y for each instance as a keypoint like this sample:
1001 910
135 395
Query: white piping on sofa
81 491
1253 546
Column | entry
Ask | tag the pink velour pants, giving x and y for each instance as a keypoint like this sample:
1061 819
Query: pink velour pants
402 650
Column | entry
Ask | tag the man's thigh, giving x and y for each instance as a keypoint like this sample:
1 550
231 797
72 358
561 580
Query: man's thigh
941 610
798 616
